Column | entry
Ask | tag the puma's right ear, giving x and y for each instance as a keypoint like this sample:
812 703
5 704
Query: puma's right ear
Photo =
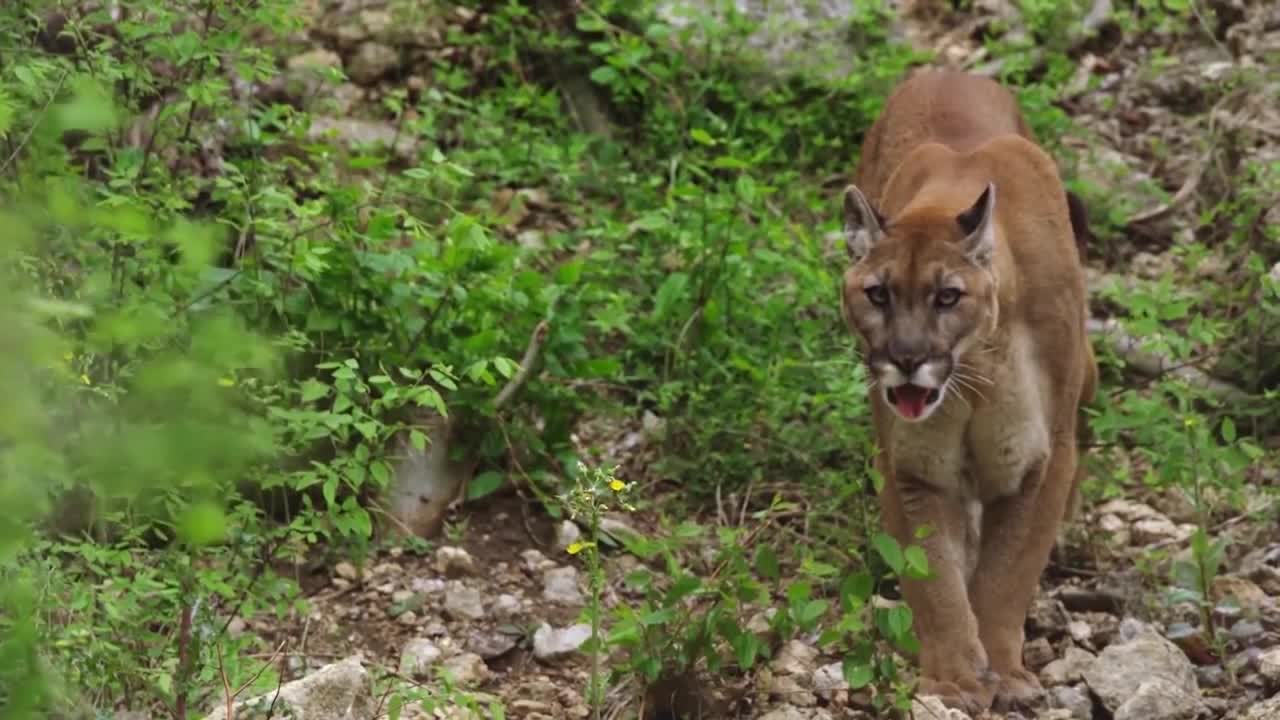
979 228
862 224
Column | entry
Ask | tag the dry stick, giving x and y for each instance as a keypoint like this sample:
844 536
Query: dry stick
517 381
184 662
1129 349
531 353
1229 522
1192 183
36 123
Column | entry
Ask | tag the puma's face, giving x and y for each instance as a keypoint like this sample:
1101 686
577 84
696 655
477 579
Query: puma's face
919 295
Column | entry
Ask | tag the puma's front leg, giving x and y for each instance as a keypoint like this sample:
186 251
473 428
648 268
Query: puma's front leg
953 662
1018 533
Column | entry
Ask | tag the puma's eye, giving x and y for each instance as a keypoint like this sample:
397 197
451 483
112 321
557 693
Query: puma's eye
878 295
947 297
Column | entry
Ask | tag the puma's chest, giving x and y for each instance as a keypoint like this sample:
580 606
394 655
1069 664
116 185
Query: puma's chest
982 453
1009 435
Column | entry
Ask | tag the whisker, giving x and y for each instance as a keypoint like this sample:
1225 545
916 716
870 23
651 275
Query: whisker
966 382
972 373
947 389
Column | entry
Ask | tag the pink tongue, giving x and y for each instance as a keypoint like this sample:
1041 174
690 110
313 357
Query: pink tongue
910 400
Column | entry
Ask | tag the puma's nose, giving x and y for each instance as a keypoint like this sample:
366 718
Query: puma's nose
909 363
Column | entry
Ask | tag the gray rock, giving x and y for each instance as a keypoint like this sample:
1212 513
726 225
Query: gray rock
553 643
1080 631
567 533
346 571
795 658
353 133
1269 666
1074 699
462 602
317 58
371 61
506 605
1068 669
794 36
418 657
490 644
340 691
1160 699
454 562
1139 656
1211 675
1265 710
535 562
789 688
1047 616
1036 653
829 678
560 586
466 669
790 712
932 707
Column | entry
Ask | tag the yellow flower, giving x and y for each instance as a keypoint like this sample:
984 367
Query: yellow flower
617 485
575 548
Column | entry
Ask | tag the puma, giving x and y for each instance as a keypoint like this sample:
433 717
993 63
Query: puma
967 293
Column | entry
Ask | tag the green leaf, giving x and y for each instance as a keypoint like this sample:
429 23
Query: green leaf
767 563
857 588
746 648
484 484
427 396
899 620
202 524
683 587
1228 430
604 75
810 612
701 136
90 108
917 562
505 367
669 293
657 617
889 549
858 675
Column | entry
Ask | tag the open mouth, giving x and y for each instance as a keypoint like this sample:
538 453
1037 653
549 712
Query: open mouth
911 400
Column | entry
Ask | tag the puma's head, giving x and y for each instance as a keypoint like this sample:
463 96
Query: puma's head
921 293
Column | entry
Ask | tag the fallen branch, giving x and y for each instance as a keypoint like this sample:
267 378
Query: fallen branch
1129 349
1192 183
531 353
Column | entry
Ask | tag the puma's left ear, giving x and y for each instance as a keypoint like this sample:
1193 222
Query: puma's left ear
979 227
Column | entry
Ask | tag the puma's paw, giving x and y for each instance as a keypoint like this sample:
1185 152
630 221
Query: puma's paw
969 695
1017 689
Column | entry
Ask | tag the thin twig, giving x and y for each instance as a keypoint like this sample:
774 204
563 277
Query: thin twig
1192 183
521 376
36 123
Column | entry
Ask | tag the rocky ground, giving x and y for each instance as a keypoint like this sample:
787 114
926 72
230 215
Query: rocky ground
497 604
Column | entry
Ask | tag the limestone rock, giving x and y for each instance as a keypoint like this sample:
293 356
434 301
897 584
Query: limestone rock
1139 656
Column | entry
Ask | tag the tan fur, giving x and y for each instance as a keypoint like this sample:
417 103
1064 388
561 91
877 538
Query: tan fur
992 469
